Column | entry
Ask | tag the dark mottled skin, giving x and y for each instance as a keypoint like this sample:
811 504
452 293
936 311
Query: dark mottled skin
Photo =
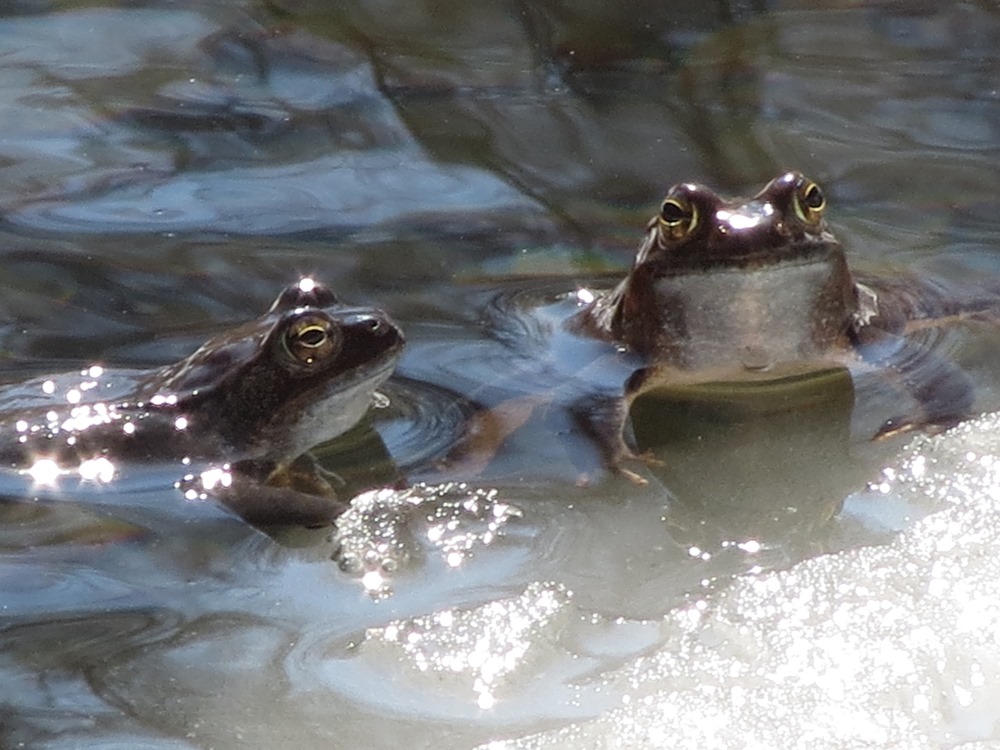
752 289
258 396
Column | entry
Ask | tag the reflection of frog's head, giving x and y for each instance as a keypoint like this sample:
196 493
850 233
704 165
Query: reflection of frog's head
303 373
696 230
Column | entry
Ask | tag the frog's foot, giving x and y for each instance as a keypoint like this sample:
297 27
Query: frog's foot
941 391
280 507
646 458
271 497
603 420
306 475
630 475
902 425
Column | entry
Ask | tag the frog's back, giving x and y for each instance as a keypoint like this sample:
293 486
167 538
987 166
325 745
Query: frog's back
80 415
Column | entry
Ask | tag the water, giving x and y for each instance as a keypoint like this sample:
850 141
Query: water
166 169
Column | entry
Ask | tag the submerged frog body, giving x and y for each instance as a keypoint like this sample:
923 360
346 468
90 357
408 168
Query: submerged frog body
760 289
258 396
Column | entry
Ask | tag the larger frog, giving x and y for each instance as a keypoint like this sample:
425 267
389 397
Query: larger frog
257 397
760 289
742 300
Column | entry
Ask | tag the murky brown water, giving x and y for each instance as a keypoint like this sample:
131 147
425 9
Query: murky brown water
165 169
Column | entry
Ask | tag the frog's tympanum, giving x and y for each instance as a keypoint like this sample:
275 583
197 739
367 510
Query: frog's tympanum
256 397
759 289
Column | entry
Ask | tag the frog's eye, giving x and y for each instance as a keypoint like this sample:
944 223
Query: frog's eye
809 203
311 339
678 217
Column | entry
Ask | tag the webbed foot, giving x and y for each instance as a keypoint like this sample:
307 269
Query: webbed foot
942 393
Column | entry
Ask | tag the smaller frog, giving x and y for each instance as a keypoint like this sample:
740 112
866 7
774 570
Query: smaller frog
736 291
256 397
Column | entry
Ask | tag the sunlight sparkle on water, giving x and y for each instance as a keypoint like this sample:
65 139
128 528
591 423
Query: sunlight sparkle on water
98 470
216 477
478 651
88 415
197 488
45 472
585 296
373 580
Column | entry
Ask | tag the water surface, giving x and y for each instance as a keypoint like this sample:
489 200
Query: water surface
165 169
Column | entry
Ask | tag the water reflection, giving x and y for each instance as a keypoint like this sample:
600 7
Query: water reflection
393 148
766 435
346 160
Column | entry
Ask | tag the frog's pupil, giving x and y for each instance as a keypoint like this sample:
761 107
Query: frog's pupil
814 198
312 337
673 213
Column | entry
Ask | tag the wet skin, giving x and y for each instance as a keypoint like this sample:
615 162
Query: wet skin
257 397
760 290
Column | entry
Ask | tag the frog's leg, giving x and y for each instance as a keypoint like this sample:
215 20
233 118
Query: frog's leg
274 507
603 419
942 392
268 496
486 431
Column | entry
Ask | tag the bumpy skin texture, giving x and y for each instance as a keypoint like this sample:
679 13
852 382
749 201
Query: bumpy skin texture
258 396
732 290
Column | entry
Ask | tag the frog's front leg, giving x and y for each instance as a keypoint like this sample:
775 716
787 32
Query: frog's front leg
942 393
604 418
298 494
272 507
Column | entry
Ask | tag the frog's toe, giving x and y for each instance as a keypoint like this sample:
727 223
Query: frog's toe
902 425
650 459
617 464
631 476
894 427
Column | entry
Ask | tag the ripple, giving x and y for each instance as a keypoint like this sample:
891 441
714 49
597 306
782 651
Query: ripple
345 191
491 663
28 525
87 638
422 421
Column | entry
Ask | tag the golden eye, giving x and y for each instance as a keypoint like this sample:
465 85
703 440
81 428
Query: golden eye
310 340
678 218
809 203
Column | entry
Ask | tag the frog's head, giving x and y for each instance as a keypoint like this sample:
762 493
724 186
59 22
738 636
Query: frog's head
715 278
696 230
303 373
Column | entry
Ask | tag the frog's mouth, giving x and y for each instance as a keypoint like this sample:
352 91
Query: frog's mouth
331 409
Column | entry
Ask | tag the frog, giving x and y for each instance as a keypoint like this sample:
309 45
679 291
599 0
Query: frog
760 290
742 300
251 401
